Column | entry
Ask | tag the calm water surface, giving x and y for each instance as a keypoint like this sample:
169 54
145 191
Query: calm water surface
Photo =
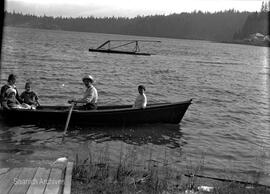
226 127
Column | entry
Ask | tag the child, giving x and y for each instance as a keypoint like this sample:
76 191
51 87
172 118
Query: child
141 99
29 97
12 102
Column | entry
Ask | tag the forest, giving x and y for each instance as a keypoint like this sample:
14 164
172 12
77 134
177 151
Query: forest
218 26
255 23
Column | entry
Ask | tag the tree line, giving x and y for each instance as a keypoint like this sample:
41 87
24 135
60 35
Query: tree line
218 26
257 22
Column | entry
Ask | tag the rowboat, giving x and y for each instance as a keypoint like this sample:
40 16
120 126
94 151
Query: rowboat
106 47
104 115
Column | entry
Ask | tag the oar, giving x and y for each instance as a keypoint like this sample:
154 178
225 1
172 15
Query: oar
68 118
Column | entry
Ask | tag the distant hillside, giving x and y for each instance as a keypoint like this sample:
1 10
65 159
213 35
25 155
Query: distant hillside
219 26
255 23
255 30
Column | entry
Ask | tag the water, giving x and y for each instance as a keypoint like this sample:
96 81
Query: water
226 127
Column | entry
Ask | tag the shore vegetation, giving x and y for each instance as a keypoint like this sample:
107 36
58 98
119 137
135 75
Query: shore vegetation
98 174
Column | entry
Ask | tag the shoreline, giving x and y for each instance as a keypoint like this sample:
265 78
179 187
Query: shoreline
104 177
97 173
242 42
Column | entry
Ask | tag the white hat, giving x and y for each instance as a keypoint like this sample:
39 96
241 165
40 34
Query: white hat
88 77
10 90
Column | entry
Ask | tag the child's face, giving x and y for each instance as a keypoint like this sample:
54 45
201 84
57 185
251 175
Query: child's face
27 88
140 90
11 95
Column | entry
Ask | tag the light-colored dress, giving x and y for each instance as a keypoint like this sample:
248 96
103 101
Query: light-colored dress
13 103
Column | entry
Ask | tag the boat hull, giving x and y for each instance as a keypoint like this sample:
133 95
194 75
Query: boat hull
104 115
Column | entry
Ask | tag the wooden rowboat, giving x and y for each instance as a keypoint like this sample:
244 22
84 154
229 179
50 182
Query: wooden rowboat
104 115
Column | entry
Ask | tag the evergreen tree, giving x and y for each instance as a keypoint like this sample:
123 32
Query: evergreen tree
219 26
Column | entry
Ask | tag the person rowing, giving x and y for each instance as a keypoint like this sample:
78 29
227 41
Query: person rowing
90 95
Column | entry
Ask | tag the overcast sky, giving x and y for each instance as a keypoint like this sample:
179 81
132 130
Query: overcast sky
126 8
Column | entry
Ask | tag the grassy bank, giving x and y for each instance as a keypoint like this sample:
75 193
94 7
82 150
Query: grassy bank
98 174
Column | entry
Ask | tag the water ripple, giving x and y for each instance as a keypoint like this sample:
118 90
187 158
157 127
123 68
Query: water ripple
228 121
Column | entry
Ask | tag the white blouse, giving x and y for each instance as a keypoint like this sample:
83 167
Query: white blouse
140 101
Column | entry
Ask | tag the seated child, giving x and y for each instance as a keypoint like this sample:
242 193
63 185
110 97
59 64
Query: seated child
29 97
141 99
12 102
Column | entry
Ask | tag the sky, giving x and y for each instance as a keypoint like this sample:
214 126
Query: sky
126 8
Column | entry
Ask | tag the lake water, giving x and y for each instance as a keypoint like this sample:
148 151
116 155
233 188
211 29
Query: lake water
226 127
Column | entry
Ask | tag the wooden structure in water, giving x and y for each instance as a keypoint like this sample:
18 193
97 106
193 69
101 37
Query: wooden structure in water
36 180
110 49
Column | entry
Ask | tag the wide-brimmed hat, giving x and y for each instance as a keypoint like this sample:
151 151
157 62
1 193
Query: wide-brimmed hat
10 90
88 77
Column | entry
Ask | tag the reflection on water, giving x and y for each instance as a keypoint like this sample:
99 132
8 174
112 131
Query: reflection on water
45 141
158 134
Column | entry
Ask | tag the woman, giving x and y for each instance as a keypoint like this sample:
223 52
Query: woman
90 95
10 84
